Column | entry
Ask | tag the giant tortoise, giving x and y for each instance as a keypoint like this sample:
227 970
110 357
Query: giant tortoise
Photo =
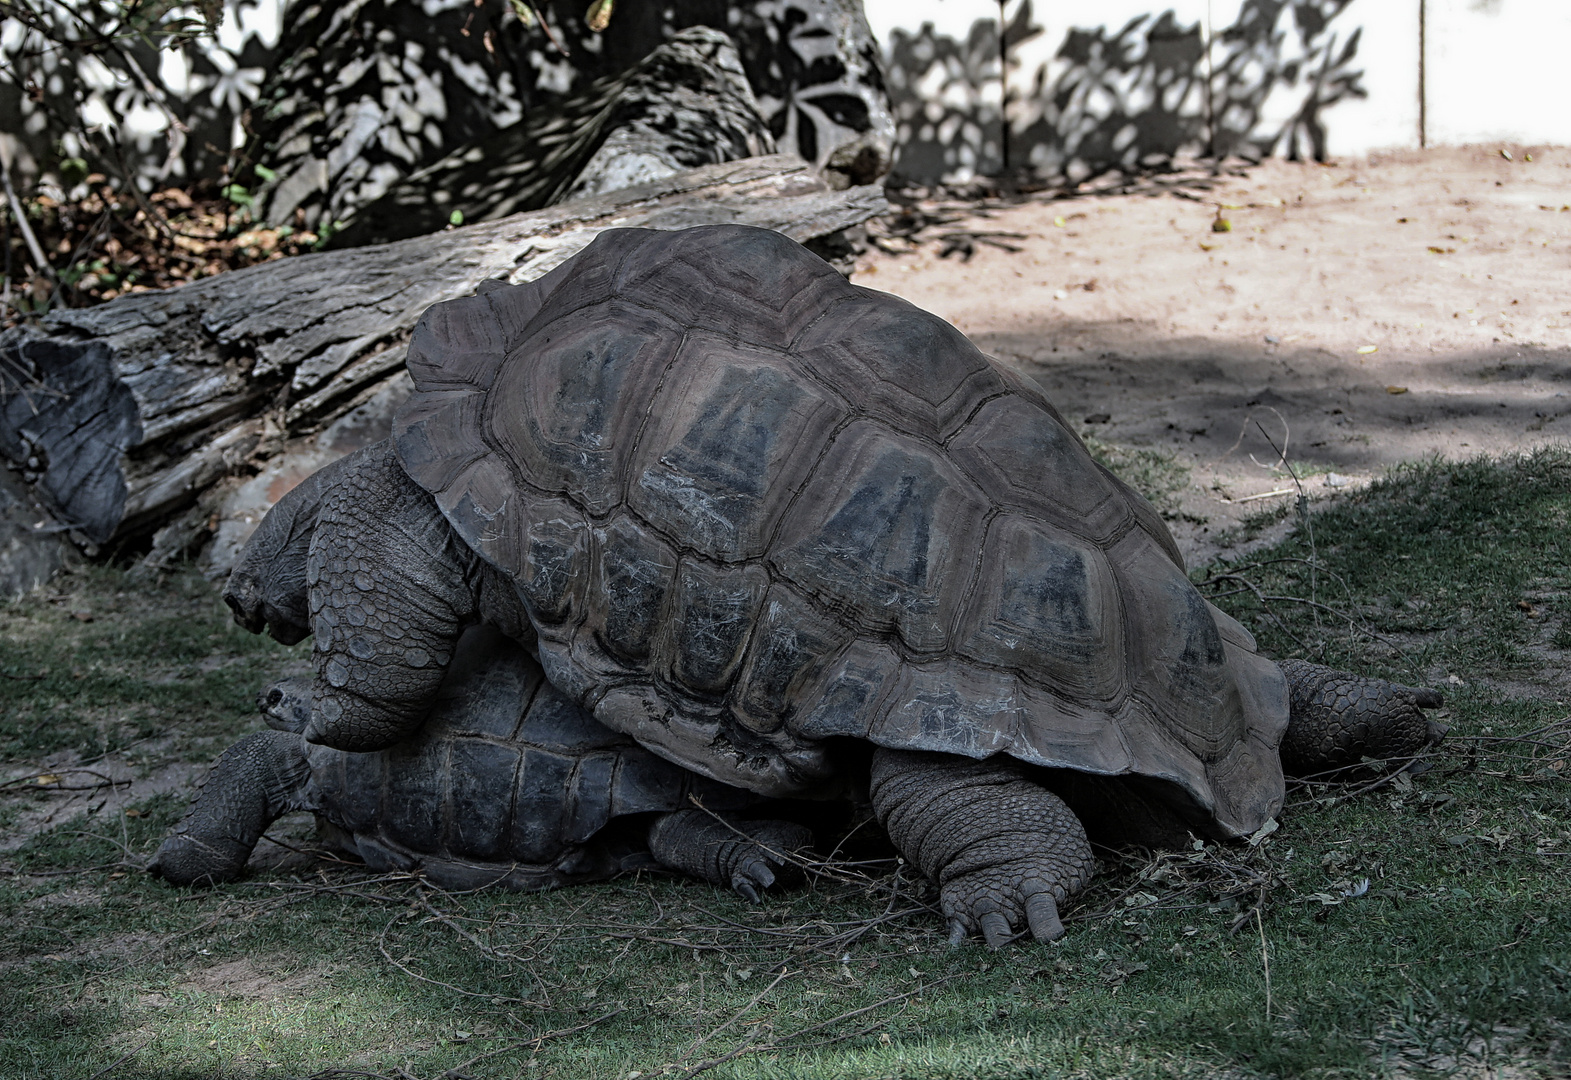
745 511
507 783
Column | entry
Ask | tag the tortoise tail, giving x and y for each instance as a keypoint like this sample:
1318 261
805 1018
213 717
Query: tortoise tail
255 781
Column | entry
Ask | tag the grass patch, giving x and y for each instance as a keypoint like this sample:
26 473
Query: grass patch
1421 928
96 663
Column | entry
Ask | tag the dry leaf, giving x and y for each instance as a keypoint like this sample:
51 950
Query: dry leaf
1396 389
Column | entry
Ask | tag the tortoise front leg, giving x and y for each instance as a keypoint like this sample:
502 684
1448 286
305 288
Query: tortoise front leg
267 588
1337 719
746 856
391 588
255 781
1004 851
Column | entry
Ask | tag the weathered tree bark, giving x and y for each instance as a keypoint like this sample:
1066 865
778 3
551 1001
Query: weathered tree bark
122 416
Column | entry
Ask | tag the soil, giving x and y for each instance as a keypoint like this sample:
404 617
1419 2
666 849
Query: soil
1362 313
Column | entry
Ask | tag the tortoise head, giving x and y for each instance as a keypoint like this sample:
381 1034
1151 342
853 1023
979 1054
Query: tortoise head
286 705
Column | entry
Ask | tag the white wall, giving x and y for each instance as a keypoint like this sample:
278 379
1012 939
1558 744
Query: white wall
1497 70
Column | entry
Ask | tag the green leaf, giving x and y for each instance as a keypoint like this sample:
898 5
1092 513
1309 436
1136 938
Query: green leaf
73 171
456 217
263 173
599 15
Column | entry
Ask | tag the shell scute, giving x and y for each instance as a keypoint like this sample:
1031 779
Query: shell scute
950 706
908 367
849 691
1171 631
553 554
480 778
891 538
416 793
711 617
1046 605
564 406
634 573
790 641
762 291
456 344
539 810
733 436
589 796
1022 457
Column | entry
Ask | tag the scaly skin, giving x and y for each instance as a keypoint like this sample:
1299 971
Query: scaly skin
1004 851
1338 719
267 589
745 855
251 785
364 560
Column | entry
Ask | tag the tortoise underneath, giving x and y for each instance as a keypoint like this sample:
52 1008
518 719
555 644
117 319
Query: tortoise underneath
508 783
744 511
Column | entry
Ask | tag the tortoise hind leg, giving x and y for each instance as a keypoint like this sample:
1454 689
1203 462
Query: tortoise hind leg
747 856
1337 719
1004 851
249 787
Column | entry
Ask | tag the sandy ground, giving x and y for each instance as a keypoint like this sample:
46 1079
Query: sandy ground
1364 312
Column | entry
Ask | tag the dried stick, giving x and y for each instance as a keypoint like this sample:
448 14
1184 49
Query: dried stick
691 1050
381 945
538 1040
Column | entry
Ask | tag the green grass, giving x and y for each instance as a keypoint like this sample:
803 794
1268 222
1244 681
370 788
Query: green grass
1455 960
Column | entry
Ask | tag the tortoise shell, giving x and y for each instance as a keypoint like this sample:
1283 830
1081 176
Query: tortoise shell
508 782
752 507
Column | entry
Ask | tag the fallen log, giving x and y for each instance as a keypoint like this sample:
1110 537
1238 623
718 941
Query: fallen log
124 416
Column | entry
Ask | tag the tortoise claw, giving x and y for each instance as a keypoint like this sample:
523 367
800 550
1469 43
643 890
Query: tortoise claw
1042 915
745 889
996 929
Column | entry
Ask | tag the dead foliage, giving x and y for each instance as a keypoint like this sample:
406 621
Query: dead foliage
111 240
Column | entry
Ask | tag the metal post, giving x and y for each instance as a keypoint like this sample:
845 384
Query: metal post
1423 103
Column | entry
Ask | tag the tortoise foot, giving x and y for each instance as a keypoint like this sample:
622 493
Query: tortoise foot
1004 850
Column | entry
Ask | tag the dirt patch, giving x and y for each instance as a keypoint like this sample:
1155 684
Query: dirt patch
63 791
254 980
1362 313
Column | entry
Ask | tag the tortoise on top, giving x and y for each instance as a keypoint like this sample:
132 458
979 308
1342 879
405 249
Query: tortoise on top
744 509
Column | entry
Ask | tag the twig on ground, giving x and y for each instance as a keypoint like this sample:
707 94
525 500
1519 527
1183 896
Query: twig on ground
743 1011
1265 958
381 945
538 1041
106 1070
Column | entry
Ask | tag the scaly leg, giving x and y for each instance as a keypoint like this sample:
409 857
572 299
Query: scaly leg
1004 851
746 858
1338 719
248 788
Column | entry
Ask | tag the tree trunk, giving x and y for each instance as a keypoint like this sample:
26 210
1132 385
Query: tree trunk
122 416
